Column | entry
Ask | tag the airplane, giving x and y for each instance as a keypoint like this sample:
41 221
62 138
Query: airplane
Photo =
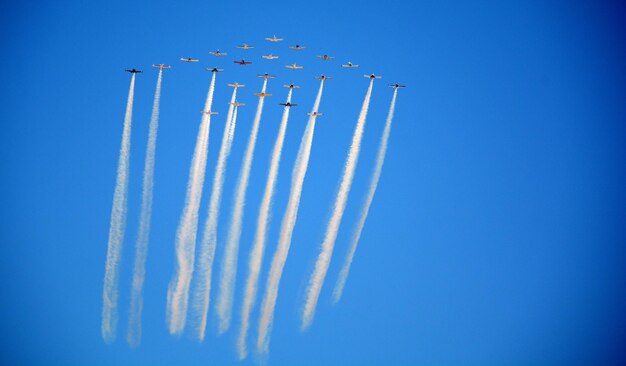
350 65
242 62
245 46
290 86
133 71
215 69
236 85
236 104
297 47
288 104
323 77
217 53
372 76
161 66
313 114
273 39
263 94
188 59
294 66
269 57
266 76
325 57
396 86
209 112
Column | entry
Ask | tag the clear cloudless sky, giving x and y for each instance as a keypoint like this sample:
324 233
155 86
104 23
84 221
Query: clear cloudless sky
497 234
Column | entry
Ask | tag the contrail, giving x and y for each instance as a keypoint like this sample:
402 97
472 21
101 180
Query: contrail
229 262
141 246
178 290
286 230
209 239
321 265
116 230
380 159
258 248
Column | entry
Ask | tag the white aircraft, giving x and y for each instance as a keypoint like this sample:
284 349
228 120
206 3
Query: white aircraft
236 104
217 53
208 113
269 57
189 59
396 86
245 46
313 114
266 76
297 47
350 65
236 85
325 57
294 67
215 69
161 66
291 86
372 76
273 39
323 77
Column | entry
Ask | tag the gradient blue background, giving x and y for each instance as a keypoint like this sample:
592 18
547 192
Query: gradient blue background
497 233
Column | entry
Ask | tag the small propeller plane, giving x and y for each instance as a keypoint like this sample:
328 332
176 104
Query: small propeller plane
189 59
263 94
294 66
291 86
273 39
323 77
161 66
314 114
245 46
236 85
208 113
215 69
243 62
266 76
372 76
217 53
350 65
297 47
236 104
269 57
396 86
325 57
133 71
288 104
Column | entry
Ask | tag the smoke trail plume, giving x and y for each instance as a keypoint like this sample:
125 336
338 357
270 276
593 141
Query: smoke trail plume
209 239
178 290
286 230
229 262
141 246
258 248
380 159
118 225
321 265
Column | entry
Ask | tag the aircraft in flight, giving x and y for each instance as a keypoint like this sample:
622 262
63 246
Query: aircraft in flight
217 53
396 86
242 62
372 76
236 104
273 39
297 47
266 76
291 86
325 57
215 69
269 57
323 77
350 65
236 85
133 71
245 46
161 66
294 66
288 104
263 94
189 59
208 113
314 114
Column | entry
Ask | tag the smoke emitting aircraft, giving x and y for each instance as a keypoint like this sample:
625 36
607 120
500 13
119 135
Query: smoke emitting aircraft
350 65
236 104
161 66
372 76
269 57
266 76
294 66
189 59
217 53
297 47
325 57
314 114
288 104
236 85
323 77
396 86
215 69
133 71
242 62
209 112
273 39
245 46
263 94
291 86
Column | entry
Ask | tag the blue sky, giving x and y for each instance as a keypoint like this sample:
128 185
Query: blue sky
497 232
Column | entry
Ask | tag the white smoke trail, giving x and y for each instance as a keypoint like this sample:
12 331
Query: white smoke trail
118 225
380 159
258 248
178 290
209 239
141 246
321 265
286 230
229 262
